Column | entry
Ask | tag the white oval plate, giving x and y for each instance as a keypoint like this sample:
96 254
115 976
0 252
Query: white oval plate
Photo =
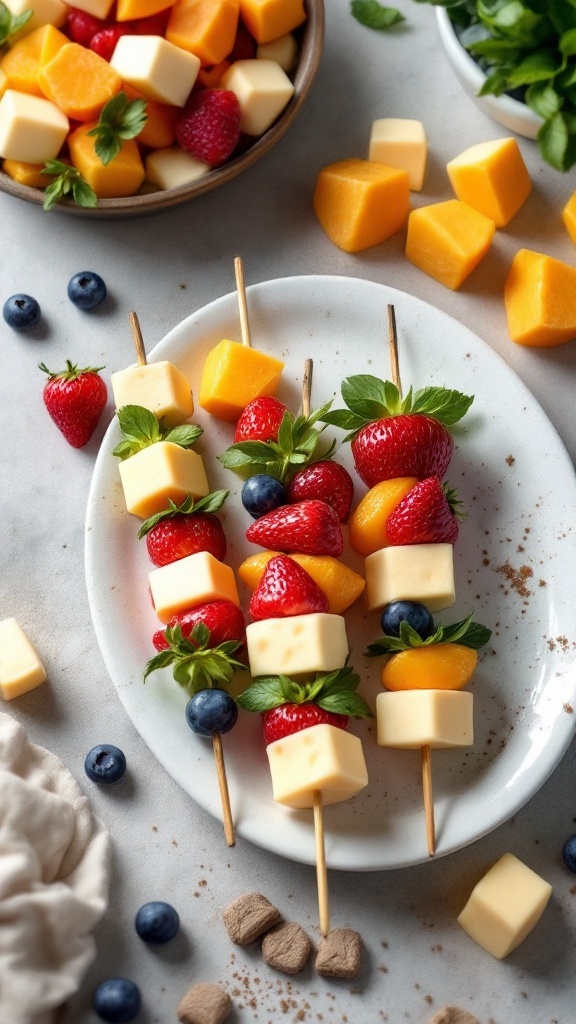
515 566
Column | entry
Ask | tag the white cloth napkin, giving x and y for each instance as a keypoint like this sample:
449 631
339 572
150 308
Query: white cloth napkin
54 878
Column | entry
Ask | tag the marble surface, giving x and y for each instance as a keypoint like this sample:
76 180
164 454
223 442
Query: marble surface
416 957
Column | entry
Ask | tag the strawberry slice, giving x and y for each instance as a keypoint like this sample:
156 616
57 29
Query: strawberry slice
286 589
428 514
223 619
290 718
329 482
306 528
260 420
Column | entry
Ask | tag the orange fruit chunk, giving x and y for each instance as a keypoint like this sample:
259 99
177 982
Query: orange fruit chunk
340 584
447 666
368 521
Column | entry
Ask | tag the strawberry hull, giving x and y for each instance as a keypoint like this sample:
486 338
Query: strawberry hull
406 445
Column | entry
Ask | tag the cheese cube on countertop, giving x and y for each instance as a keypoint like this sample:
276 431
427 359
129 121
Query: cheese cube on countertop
400 142
159 69
171 167
505 906
411 572
20 667
492 177
160 387
410 719
283 50
191 581
32 129
262 88
297 644
44 12
161 471
323 758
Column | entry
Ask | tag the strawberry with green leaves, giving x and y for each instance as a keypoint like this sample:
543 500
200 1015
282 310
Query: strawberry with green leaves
196 664
223 619
75 399
185 529
141 428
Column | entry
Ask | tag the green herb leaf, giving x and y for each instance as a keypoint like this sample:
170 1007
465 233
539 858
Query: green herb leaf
553 139
375 15
210 504
195 665
67 182
12 23
185 435
140 428
466 632
333 691
443 404
120 119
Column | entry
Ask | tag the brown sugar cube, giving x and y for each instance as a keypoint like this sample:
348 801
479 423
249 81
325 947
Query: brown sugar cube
452 1015
204 1004
286 947
339 954
248 917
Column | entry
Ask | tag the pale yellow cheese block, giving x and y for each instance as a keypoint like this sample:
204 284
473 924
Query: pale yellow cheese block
297 644
411 572
401 143
161 471
160 387
262 89
410 719
32 129
322 758
189 582
20 667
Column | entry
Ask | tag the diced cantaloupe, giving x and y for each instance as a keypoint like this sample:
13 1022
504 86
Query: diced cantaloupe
491 177
210 77
448 240
206 28
23 61
340 584
79 81
121 177
26 174
233 376
568 215
159 130
130 10
367 526
540 300
269 19
361 203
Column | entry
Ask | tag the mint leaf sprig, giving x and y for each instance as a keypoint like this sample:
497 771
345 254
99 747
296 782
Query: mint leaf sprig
467 632
141 428
375 15
297 446
12 23
196 665
67 182
210 504
332 691
119 119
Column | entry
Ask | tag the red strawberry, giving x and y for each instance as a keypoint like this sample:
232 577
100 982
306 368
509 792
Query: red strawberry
286 589
407 445
327 481
83 26
289 718
307 528
260 420
209 125
426 515
153 25
185 529
104 42
224 620
75 399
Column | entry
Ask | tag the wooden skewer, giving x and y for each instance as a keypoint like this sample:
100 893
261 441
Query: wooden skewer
243 308
138 340
307 387
426 752
223 784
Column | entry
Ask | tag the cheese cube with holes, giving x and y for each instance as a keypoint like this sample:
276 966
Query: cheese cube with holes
44 12
158 68
233 376
504 906
360 203
448 240
322 759
171 167
160 472
270 19
410 719
191 581
411 572
262 89
540 300
160 387
491 177
32 129
297 644
400 142
20 667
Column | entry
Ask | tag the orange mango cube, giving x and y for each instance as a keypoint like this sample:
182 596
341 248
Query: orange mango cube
269 19
26 174
568 216
79 82
121 177
23 61
206 28
233 376
159 130
368 520
540 300
491 177
130 10
448 240
446 666
340 584
361 203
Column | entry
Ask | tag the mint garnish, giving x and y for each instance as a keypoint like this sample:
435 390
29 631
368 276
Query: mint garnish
120 119
67 182
210 504
196 665
141 428
375 15
11 23
332 691
468 633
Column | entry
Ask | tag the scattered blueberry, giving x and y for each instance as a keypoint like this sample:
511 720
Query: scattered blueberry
157 922
261 493
117 1000
105 763
21 312
569 853
210 711
412 612
86 289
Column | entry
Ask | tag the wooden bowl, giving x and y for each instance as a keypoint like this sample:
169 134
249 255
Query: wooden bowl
311 38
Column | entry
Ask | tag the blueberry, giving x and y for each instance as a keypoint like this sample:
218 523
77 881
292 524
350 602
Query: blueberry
569 853
412 612
21 312
157 922
117 1000
261 493
210 711
86 289
105 763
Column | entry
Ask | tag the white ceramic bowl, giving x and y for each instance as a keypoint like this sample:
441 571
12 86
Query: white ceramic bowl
504 109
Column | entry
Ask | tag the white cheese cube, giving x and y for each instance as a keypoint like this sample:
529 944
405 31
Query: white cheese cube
32 129
262 88
297 644
159 69
171 167
191 581
160 387
20 667
418 718
401 143
323 758
504 906
98 8
45 12
411 572
283 50
161 471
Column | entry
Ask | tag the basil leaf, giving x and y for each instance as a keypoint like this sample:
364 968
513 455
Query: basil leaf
366 396
375 15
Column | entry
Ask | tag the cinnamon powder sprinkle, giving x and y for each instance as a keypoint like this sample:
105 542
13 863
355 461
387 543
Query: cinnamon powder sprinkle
517 578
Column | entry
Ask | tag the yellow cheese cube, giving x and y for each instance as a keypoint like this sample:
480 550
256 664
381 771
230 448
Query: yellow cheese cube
410 719
505 906
233 376
491 177
322 758
44 12
269 19
283 50
171 167
411 572
20 667
400 142
360 203
160 387
540 300
262 89
98 8
448 240
160 472
155 66
191 581
297 644
32 129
